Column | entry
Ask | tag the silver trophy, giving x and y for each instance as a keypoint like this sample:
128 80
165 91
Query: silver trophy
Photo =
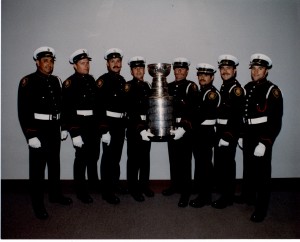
160 110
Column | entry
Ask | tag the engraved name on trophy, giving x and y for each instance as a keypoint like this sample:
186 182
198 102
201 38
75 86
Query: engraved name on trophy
160 110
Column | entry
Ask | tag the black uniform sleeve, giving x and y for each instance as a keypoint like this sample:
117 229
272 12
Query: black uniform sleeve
101 106
206 109
274 114
187 106
232 129
135 106
69 118
25 109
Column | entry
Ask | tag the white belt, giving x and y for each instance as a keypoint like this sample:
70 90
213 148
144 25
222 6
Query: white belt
42 116
222 121
256 120
114 114
85 112
143 117
209 122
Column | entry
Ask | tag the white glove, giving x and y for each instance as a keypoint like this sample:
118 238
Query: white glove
146 134
223 143
64 135
106 138
178 133
240 142
77 141
34 142
260 150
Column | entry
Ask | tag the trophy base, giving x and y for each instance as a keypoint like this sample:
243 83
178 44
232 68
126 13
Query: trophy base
161 138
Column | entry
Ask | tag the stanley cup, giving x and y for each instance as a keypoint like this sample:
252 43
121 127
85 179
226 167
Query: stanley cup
160 103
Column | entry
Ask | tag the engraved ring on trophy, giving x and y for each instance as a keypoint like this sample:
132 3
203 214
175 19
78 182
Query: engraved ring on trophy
160 110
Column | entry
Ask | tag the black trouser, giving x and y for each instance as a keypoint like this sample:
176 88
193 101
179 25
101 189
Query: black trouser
87 156
138 162
257 173
203 142
112 153
225 169
48 154
180 158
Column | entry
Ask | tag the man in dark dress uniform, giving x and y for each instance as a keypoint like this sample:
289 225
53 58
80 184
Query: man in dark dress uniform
80 120
138 141
203 124
180 147
229 121
39 107
262 116
111 97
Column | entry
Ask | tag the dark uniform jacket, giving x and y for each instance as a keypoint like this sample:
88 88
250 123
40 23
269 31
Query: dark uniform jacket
111 95
184 93
38 94
263 110
205 112
138 93
230 110
79 93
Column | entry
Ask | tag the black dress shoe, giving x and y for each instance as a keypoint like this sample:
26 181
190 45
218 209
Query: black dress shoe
258 216
221 203
40 212
111 198
61 200
138 197
85 198
184 200
199 202
148 192
169 191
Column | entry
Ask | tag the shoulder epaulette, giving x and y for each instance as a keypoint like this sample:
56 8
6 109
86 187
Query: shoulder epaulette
100 83
127 87
67 83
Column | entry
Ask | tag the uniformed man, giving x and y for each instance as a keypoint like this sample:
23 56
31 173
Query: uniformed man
203 124
80 120
228 125
138 135
262 116
39 107
180 148
111 97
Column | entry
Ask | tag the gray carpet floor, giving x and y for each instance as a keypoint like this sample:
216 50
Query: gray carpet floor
156 218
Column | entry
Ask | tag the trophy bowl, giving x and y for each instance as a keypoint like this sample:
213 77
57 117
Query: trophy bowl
160 110
159 69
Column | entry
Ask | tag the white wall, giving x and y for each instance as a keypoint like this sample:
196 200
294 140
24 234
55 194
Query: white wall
159 30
